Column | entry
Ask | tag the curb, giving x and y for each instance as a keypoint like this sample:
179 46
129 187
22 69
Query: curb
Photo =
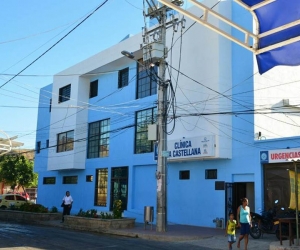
156 237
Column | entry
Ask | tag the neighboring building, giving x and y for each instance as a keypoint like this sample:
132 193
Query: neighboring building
92 130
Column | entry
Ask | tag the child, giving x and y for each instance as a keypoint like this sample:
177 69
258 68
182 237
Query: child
230 230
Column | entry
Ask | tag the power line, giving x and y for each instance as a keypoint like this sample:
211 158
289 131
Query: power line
55 43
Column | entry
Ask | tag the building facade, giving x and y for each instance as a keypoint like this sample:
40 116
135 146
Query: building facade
92 131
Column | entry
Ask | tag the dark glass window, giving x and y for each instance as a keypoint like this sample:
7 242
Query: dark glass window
98 141
123 78
119 186
146 80
184 175
143 119
38 147
64 93
219 185
20 198
50 105
47 143
89 178
279 184
10 197
49 180
211 174
101 187
65 141
93 88
70 179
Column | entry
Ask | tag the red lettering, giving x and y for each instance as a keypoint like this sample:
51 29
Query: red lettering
286 155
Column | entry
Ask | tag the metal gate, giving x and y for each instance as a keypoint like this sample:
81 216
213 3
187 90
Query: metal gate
228 200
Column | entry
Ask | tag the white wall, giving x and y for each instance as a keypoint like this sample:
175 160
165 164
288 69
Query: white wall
206 60
66 116
281 82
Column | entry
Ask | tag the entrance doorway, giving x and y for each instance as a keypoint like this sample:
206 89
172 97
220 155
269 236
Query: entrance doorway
119 186
234 192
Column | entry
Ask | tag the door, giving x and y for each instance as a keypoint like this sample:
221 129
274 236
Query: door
234 192
119 186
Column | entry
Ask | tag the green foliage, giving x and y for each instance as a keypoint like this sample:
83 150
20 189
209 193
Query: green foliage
34 182
16 170
117 209
103 215
92 213
89 213
34 208
53 209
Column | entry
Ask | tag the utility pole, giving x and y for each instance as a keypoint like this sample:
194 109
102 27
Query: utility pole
296 201
161 216
157 52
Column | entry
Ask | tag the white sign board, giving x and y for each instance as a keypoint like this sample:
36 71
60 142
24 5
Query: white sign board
191 148
279 155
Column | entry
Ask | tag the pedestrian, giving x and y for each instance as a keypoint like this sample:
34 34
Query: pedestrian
67 205
244 222
230 230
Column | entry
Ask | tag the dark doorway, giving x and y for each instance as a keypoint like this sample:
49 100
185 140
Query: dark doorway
234 193
119 186
240 192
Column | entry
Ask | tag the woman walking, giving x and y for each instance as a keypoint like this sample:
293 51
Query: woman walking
244 222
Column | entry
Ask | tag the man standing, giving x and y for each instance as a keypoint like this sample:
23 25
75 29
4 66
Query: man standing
67 204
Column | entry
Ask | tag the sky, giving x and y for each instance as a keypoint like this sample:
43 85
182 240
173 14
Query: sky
30 28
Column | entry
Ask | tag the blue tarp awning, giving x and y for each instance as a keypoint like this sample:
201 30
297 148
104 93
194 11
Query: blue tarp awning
274 15
278 38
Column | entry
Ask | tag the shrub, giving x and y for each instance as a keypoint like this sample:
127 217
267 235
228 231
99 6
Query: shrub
117 209
89 213
106 215
92 213
54 209
35 208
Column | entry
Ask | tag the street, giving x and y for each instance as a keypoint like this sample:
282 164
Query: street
17 237
20 237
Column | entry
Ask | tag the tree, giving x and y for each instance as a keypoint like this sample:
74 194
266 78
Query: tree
16 170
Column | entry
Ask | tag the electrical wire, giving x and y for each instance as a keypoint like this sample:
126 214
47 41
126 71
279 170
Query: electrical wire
102 4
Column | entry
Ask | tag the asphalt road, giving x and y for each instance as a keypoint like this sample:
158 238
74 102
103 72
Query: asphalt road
29 237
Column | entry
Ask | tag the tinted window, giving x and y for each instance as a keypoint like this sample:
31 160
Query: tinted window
64 93
93 88
49 180
10 197
184 175
20 198
70 179
123 78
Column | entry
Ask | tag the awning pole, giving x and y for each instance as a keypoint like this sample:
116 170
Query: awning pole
296 199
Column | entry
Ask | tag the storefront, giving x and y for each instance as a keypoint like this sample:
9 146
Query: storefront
279 176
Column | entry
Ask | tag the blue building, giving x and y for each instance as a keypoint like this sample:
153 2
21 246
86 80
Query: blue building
92 131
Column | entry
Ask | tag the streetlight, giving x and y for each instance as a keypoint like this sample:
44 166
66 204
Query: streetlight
127 54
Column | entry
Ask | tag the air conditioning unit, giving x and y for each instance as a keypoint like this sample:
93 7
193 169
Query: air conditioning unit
153 51
285 102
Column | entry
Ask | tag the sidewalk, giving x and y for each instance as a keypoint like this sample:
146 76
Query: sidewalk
198 236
